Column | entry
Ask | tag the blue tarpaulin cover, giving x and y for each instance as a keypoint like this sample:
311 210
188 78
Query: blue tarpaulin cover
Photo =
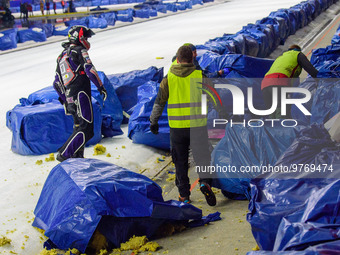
62 30
36 34
94 22
246 66
44 128
79 193
47 27
108 118
290 212
74 22
126 85
109 17
125 15
139 124
8 39
248 146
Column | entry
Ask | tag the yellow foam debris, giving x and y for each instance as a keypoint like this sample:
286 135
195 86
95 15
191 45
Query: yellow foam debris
50 158
99 150
159 57
150 246
108 155
103 252
115 251
171 178
48 252
73 251
123 147
256 248
4 240
139 244
38 162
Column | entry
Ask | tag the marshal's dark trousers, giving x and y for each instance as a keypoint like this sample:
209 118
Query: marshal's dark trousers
181 139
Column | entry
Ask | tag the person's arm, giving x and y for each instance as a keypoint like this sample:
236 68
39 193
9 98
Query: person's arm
307 65
160 102
91 72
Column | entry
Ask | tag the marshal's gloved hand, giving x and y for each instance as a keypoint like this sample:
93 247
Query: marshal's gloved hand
154 128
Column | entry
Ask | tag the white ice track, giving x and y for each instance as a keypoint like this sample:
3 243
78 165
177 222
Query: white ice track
118 50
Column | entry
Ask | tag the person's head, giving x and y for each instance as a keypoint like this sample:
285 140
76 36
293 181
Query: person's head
184 55
294 47
193 49
79 35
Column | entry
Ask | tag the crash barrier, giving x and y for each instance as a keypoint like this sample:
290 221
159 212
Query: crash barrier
299 211
94 195
10 38
261 38
39 124
126 86
139 123
246 152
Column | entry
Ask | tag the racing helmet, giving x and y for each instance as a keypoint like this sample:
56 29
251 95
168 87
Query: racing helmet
79 34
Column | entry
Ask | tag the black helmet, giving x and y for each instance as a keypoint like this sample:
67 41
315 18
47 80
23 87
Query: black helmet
79 35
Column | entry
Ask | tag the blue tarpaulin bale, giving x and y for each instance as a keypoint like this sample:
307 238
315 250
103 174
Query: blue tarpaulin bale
248 146
240 42
89 189
47 27
276 197
81 22
188 4
94 22
301 19
153 13
320 55
171 7
31 137
109 17
61 30
306 6
36 34
284 24
278 29
228 44
161 8
322 248
296 114
112 112
181 6
139 124
245 65
8 39
125 15
216 46
194 2
326 100
126 85
142 13
252 45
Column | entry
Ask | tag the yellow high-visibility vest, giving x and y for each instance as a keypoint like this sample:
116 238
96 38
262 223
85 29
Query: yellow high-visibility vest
184 103
287 64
